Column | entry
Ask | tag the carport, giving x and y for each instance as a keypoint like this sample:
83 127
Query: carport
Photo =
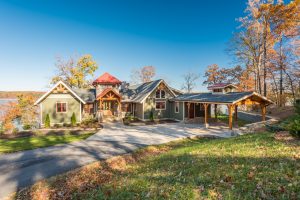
212 100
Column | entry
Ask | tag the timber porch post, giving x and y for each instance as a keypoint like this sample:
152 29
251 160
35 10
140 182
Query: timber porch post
263 112
205 115
230 116
216 115
235 113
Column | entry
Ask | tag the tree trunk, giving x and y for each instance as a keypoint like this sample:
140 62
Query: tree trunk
281 72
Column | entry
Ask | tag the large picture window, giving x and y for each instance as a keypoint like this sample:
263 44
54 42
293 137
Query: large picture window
160 94
176 107
160 105
61 107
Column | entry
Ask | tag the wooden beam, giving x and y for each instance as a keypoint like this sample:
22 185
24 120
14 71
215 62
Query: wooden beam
230 116
235 113
263 112
205 115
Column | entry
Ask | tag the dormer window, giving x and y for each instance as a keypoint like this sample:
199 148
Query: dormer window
160 94
217 90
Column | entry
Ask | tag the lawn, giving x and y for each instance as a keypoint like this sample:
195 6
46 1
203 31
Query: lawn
247 167
240 122
26 143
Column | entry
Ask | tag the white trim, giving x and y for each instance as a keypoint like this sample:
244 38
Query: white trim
66 86
143 104
156 88
176 102
80 113
41 110
183 104
162 102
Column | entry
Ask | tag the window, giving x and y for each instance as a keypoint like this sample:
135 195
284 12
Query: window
61 107
176 107
217 90
160 94
160 105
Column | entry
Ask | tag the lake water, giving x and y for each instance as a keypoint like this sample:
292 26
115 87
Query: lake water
17 122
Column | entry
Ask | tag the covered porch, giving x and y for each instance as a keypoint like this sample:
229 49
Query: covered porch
109 102
205 110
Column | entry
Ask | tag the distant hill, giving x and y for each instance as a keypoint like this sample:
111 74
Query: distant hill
14 94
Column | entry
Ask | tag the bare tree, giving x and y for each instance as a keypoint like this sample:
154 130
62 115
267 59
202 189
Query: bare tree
189 81
142 75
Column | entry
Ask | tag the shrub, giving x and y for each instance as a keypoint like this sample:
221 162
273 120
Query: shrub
294 128
297 106
275 128
151 117
15 131
56 125
27 126
73 119
47 121
66 125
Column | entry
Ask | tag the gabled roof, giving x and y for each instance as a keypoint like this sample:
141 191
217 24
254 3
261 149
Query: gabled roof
107 78
88 95
228 98
138 93
55 86
104 92
220 86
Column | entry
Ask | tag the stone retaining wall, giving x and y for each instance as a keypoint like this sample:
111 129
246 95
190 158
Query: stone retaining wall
251 128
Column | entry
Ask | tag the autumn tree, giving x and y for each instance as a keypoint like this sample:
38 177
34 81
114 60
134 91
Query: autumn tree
142 75
28 112
75 73
213 75
189 81
262 40
9 112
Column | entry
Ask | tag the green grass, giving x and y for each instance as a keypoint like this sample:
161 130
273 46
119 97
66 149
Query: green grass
26 143
247 167
240 122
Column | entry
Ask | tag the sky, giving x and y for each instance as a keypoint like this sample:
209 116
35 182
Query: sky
174 36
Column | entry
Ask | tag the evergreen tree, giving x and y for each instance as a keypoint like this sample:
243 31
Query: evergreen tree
47 121
73 119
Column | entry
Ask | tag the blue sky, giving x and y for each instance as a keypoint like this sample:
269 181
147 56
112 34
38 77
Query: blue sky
175 36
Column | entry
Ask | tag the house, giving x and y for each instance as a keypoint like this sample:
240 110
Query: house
155 99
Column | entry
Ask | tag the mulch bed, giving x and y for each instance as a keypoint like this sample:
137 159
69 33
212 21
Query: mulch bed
46 132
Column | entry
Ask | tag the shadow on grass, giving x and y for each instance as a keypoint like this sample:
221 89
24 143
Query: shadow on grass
191 169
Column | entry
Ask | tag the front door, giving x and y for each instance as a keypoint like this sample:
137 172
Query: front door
192 111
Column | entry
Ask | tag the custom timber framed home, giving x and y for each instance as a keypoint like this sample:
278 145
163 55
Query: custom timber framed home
110 97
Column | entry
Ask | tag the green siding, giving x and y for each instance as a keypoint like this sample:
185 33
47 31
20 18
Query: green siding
49 107
149 106
139 110
179 115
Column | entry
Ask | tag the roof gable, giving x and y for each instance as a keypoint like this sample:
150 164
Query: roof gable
220 86
107 78
59 87
138 93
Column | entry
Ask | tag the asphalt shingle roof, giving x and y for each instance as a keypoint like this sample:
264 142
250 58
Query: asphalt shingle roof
87 95
210 97
137 93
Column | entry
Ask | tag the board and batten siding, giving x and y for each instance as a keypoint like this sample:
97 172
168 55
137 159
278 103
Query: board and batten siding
48 106
149 106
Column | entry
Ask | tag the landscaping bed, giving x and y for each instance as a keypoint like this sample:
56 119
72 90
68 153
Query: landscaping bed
255 166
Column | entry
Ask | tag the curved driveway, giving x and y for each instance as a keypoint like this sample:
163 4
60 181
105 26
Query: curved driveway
21 169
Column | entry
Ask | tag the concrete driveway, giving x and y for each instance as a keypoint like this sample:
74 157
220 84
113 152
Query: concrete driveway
18 170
